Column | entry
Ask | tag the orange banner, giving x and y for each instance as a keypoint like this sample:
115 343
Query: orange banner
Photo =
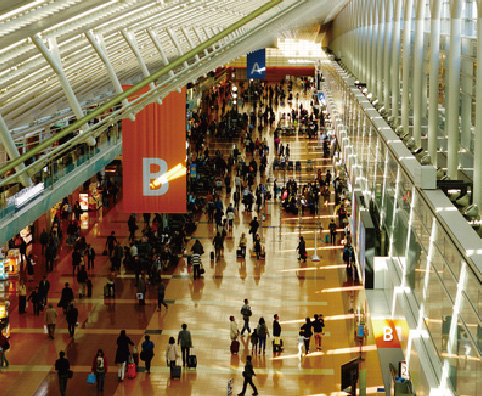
154 157
390 333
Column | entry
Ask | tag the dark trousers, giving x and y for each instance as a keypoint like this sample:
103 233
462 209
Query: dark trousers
99 380
248 380
90 262
160 301
63 384
51 330
148 364
22 302
71 327
196 271
333 238
307 345
36 309
185 354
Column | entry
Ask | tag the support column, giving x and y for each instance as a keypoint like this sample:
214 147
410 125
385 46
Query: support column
368 43
363 40
12 151
478 129
380 55
396 63
453 95
373 88
386 53
418 72
407 23
466 82
433 81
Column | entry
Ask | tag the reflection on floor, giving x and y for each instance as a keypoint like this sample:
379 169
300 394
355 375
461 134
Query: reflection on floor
278 285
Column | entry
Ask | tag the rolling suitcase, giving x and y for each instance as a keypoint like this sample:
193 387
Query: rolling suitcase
89 288
298 165
131 371
239 253
192 360
277 345
327 238
106 291
212 256
290 165
234 347
176 373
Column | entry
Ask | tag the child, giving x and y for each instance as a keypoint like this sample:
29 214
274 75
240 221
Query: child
301 342
254 341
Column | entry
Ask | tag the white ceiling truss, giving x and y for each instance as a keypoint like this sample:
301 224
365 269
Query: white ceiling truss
135 38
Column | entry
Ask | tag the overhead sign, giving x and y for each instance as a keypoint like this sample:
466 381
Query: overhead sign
256 64
390 333
154 157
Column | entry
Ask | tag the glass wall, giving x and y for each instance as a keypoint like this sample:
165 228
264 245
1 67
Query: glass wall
446 291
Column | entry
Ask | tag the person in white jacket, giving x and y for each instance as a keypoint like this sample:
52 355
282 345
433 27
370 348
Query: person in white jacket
234 332
172 353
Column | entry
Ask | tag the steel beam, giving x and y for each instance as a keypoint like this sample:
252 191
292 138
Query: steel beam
189 40
52 56
97 42
155 76
12 151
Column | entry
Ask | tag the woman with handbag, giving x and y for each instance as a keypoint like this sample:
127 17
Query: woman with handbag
147 352
122 354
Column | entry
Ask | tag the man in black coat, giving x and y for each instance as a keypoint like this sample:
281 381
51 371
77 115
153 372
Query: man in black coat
67 296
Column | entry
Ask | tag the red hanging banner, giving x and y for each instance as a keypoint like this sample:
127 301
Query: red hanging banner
154 156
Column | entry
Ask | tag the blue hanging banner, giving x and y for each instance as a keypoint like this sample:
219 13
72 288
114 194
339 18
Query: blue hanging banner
256 64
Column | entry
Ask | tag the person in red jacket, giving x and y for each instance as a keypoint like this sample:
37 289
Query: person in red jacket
99 368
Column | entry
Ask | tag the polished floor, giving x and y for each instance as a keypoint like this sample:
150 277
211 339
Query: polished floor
280 284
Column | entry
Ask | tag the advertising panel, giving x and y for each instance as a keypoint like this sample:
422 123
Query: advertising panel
154 157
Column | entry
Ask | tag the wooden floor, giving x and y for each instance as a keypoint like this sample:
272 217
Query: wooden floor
278 285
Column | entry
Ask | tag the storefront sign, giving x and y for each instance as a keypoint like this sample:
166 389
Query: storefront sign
193 170
84 201
154 156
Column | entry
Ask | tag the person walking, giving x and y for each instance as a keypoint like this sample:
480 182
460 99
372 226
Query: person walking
99 368
262 333
82 278
301 249
50 319
318 324
172 353
44 287
184 340
122 354
34 298
218 243
72 316
307 333
253 230
160 296
110 243
248 375
22 300
332 228
233 330
196 265
66 297
141 288
90 257
246 312
147 352
62 366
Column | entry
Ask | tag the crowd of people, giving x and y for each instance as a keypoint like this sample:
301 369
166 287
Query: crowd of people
243 179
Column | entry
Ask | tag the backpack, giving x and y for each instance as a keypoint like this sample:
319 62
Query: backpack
99 366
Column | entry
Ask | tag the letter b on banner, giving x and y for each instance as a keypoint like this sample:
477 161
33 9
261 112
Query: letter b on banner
148 176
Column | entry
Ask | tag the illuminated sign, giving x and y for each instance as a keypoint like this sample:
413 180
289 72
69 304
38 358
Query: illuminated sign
390 333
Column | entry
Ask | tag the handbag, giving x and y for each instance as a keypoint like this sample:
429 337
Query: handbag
70 373
142 355
91 378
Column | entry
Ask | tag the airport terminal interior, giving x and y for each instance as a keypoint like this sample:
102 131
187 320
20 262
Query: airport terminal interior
223 197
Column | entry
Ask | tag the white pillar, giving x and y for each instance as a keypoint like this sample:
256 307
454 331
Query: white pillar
432 133
467 82
396 63
368 43
477 198
453 84
12 151
418 71
381 32
363 40
374 76
407 23
387 52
